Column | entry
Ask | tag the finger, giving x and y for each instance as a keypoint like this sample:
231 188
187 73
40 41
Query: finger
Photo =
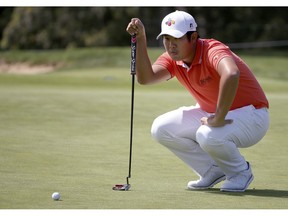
229 121
135 27
135 21
131 29
203 120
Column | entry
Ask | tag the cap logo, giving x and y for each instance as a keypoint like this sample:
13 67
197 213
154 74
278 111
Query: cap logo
170 22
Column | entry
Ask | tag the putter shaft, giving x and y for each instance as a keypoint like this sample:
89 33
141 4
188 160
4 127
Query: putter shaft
133 73
125 187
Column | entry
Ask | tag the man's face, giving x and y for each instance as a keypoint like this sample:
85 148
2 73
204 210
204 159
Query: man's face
179 48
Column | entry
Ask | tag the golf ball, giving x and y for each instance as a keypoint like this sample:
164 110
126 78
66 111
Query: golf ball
56 196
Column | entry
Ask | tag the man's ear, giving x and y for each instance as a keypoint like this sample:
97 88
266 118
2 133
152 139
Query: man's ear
194 36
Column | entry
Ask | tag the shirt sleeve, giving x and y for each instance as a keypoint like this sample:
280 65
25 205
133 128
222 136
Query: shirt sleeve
165 61
216 53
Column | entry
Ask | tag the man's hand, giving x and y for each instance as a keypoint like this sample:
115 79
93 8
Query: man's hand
214 122
136 27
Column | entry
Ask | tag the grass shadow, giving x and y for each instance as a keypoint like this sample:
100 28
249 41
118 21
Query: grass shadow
253 192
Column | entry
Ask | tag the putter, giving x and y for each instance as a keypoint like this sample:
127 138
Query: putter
126 187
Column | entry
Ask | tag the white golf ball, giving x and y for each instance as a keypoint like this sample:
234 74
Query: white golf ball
56 196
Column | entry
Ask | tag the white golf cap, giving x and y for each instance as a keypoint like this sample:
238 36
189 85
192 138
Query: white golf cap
177 24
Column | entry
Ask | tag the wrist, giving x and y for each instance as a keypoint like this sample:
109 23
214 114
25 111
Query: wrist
141 36
219 116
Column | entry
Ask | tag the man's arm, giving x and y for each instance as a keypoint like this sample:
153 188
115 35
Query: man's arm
145 72
228 86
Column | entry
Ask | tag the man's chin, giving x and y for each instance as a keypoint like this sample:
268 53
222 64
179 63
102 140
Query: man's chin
175 57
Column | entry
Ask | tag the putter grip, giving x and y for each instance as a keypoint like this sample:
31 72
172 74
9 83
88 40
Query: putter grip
133 54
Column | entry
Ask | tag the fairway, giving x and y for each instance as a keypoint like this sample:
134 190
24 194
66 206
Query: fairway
68 131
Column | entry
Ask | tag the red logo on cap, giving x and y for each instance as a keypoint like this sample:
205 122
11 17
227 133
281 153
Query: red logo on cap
170 22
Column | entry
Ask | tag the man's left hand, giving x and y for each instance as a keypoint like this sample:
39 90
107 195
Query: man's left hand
214 122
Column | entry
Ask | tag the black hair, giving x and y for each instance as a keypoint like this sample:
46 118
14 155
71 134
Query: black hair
189 33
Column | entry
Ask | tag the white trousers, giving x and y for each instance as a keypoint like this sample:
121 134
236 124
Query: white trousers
201 146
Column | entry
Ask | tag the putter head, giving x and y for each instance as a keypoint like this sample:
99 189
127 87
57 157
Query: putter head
121 187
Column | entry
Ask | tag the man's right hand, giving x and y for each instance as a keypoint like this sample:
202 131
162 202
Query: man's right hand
136 27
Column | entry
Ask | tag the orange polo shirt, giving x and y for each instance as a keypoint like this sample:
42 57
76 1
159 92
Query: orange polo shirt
202 79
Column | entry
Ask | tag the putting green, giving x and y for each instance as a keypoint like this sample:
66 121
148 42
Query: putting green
68 131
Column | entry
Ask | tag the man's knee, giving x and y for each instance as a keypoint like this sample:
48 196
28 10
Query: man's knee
158 130
206 139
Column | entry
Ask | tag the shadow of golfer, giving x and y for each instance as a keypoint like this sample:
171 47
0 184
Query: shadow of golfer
253 192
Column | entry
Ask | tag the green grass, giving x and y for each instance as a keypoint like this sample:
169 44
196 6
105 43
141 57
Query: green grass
68 131
76 58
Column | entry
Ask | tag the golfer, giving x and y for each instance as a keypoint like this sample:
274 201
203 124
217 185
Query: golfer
231 109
